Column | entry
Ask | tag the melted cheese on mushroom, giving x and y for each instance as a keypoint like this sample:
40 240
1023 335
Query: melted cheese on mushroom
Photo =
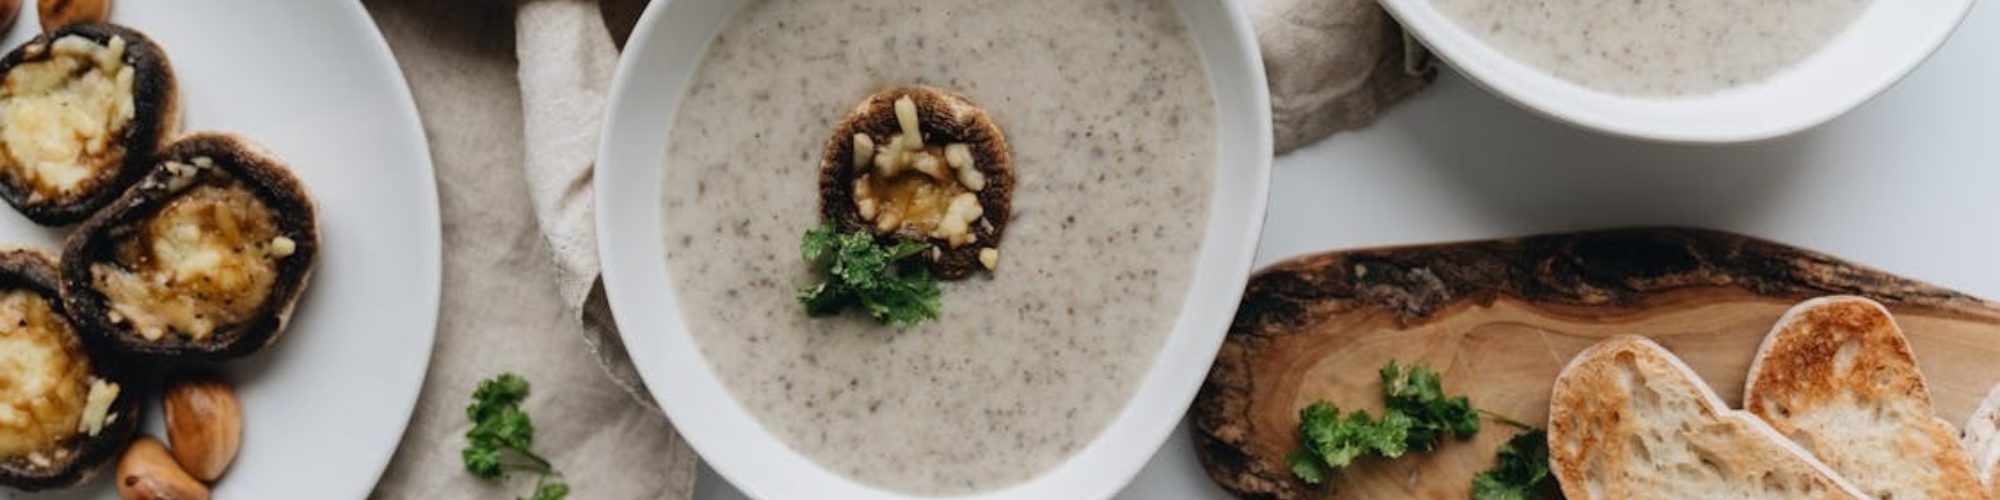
61 115
44 377
916 190
205 261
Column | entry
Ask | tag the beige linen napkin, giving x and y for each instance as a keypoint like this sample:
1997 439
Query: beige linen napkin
501 308
1333 65
567 60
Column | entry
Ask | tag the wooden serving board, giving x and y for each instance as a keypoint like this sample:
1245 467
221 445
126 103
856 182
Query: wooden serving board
1499 319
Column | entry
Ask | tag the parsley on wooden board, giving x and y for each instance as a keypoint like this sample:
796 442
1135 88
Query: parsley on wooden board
1419 394
1520 470
502 434
863 273
1418 417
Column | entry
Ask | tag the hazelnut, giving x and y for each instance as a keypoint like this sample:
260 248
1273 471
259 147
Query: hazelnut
60 13
204 423
10 10
146 472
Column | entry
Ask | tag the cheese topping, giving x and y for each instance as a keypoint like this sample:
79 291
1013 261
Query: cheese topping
914 189
97 407
60 116
205 261
44 376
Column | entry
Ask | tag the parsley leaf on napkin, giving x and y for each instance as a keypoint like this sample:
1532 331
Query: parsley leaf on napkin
502 434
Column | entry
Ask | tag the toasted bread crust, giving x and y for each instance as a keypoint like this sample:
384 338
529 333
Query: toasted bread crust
1982 440
1837 376
944 118
35 271
156 119
1628 420
294 214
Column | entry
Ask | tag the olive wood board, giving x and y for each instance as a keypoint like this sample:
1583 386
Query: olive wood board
1499 319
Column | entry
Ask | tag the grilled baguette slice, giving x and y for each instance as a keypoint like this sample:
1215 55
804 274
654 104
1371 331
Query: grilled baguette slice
1982 440
1837 377
1628 420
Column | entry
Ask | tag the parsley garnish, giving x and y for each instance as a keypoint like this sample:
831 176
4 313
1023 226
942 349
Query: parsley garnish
502 434
1419 394
1418 417
861 272
1521 471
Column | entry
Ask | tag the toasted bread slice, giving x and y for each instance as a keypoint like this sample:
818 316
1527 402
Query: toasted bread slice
1837 377
1982 440
943 119
1628 420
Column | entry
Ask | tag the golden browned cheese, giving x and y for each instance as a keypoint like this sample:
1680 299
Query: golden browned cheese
61 116
44 376
205 261
917 201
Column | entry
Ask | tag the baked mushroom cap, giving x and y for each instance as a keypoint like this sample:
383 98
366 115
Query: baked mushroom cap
66 408
202 260
82 111
914 200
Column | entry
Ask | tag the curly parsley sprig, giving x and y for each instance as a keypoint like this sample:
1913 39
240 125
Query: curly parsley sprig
1418 417
865 274
1520 470
502 435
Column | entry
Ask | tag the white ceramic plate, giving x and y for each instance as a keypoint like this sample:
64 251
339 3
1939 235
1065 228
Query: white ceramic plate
660 57
313 81
1885 43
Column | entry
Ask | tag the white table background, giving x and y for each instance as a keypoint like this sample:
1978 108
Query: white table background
1909 183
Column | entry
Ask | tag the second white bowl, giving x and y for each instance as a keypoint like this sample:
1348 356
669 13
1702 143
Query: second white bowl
1885 43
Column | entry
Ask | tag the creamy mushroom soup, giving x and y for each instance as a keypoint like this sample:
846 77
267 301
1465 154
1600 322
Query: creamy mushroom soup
1107 108
1656 47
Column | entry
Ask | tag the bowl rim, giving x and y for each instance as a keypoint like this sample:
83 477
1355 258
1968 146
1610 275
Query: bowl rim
638 286
1870 56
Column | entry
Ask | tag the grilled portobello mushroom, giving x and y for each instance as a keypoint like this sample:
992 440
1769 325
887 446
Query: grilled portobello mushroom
202 260
921 164
66 408
83 108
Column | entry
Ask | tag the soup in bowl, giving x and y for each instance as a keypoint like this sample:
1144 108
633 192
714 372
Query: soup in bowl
894 248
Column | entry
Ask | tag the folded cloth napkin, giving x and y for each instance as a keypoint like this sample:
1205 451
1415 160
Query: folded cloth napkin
1333 65
500 311
567 59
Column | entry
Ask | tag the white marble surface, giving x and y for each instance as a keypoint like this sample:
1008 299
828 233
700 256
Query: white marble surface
1909 183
